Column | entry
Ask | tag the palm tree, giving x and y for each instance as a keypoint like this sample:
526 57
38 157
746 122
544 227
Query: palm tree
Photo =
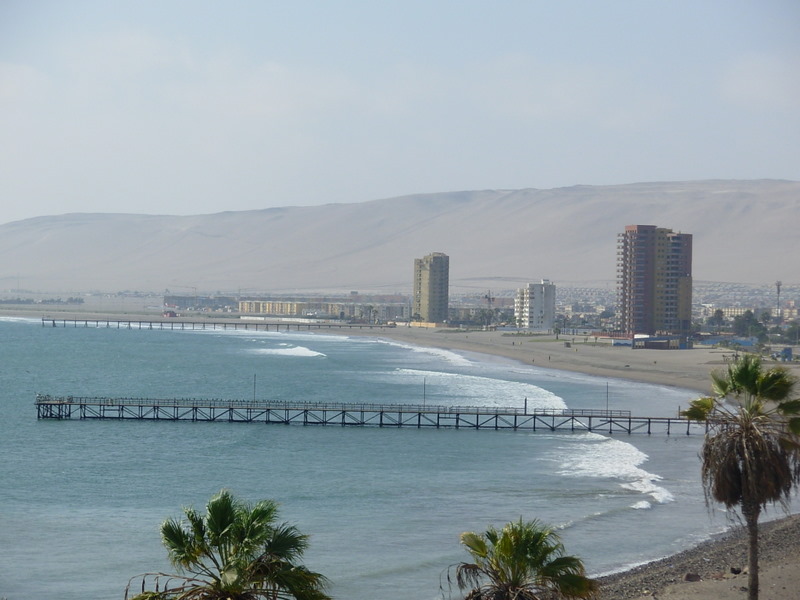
751 455
236 551
521 562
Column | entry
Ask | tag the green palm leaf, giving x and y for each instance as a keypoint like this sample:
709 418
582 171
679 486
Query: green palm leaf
236 552
520 562
789 407
700 409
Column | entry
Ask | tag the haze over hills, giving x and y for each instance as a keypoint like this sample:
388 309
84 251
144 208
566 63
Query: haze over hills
744 231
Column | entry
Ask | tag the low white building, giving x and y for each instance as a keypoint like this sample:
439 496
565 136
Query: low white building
535 306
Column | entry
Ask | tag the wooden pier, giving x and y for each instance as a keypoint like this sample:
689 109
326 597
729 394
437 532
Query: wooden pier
191 325
362 415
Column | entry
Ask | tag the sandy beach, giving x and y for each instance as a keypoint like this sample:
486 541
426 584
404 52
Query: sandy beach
711 562
688 369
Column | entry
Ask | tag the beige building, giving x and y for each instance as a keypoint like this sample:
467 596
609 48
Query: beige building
535 306
368 312
273 307
431 299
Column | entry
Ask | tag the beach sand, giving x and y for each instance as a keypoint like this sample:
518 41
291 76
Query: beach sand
688 369
712 561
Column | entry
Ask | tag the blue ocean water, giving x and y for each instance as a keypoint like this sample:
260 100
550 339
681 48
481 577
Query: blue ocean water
82 501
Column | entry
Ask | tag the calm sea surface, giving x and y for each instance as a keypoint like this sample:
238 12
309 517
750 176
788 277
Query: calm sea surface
82 501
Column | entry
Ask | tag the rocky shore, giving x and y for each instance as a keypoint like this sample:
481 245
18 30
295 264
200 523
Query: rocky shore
709 570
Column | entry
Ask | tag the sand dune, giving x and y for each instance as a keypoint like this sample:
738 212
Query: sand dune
496 239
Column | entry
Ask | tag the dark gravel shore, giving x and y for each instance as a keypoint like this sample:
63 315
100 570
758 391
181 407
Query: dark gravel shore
713 559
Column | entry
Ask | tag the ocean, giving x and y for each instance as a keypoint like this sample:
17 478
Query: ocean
82 501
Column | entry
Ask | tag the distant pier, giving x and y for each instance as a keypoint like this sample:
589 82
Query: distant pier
360 415
179 324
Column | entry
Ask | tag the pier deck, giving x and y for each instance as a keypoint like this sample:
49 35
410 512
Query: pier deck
353 414
229 324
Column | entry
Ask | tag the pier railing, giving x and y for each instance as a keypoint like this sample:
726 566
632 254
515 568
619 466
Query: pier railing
173 324
358 414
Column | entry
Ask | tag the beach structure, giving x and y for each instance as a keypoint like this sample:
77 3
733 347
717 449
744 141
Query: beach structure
535 306
245 324
418 416
353 307
654 281
431 288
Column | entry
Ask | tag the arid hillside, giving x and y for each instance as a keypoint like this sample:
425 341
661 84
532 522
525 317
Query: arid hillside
744 231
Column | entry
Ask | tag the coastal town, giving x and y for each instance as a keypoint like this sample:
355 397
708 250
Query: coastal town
429 300
657 306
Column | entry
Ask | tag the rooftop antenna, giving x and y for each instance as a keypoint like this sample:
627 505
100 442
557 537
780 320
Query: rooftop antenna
489 299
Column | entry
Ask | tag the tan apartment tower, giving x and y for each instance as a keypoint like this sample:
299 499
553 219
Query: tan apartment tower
654 281
431 288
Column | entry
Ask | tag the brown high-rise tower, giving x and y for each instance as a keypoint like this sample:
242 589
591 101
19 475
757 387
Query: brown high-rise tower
654 281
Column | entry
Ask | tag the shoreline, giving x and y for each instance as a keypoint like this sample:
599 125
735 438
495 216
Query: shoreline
712 560
685 369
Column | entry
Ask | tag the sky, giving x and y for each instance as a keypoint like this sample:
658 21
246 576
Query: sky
196 107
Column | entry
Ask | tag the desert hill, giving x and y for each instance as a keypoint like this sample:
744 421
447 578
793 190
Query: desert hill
744 231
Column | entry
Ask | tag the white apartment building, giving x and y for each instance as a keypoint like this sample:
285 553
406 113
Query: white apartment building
535 306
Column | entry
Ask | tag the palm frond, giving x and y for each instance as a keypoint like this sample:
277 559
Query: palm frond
700 409
180 546
475 544
520 562
794 425
285 542
221 514
468 576
236 552
776 384
789 407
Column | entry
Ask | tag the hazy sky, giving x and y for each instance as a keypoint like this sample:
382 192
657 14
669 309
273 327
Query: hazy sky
184 107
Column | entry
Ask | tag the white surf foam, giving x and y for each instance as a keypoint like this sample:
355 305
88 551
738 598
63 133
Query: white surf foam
23 320
448 355
293 351
477 390
593 455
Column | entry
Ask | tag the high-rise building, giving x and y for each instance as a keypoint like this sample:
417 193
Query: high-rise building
535 306
431 288
654 281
